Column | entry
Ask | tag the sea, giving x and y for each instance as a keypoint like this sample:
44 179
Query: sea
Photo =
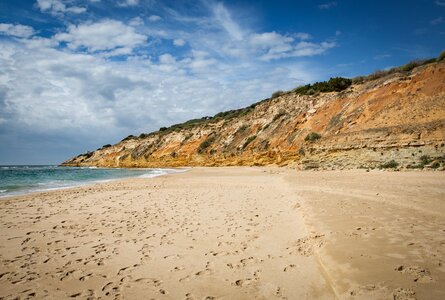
18 180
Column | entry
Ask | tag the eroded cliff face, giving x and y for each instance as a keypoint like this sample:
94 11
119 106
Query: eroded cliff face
399 117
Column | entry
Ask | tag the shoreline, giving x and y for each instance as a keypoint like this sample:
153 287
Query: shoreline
183 169
230 232
5 194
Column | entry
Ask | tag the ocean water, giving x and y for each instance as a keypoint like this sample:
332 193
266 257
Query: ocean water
16 180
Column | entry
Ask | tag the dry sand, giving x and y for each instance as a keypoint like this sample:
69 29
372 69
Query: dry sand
231 233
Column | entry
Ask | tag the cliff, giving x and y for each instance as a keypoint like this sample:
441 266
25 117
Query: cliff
396 119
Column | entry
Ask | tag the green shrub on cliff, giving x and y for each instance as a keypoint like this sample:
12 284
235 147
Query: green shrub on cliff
424 160
339 84
413 64
205 144
402 69
249 140
312 137
335 84
277 94
392 164
130 137
88 154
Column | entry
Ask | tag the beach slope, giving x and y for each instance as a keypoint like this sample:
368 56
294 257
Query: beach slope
230 233
205 234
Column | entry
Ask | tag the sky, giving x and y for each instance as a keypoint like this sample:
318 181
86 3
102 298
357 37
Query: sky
78 74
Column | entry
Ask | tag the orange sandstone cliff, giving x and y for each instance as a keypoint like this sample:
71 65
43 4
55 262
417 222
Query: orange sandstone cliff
397 121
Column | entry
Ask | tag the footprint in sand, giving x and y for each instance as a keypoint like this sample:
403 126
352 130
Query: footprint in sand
404 294
306 246
243 282
289 268
189 296
151 281
420 274
69 274
126 269
111 289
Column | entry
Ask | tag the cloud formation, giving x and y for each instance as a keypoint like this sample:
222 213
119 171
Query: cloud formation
272 45
57 7
125 3
95 81
154 18
21 31
224 19
178 42
105 35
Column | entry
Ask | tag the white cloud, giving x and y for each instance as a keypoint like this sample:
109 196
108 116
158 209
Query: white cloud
136 22
270 39
440 3
21 31
105 35
311 49
303 36
224 19
178 42
66 85
221 35
327 5
154 18
126 3
167 59
122 51
57 7
276 46
51 91
201 62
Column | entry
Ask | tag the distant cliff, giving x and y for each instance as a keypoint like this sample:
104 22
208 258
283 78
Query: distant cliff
387 119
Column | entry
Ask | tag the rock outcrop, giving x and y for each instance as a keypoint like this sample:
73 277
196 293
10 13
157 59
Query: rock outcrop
397 120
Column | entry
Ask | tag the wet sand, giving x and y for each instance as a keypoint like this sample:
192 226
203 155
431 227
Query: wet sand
382 233
230 233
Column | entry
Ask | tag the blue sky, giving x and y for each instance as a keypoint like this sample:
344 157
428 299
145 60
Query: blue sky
78 74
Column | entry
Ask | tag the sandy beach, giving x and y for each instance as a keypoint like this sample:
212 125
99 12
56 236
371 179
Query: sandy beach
230 233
